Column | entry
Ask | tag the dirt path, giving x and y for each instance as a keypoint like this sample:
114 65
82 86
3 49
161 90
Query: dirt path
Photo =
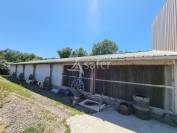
39 114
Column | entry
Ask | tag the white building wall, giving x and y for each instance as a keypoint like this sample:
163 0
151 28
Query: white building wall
19 70
12 69
42 71
57 75
28 71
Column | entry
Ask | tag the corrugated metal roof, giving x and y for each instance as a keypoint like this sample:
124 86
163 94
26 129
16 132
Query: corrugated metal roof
149 55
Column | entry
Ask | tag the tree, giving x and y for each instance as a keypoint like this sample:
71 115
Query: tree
9 55
104 47
79 53
16 56
69 52
65 52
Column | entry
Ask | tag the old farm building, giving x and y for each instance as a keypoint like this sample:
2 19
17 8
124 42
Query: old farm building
120 76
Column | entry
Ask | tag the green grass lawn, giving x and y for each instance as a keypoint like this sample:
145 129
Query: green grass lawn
12 87
8 87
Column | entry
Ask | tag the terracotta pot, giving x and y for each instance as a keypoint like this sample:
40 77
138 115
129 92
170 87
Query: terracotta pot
124 108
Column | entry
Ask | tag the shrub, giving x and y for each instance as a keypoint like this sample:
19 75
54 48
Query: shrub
31 77
4 67
47 83
21 77
14 75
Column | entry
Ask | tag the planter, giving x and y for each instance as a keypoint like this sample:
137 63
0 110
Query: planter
141 107
141 101
142 113
125 108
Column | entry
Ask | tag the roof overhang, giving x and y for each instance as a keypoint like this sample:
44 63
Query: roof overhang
141 58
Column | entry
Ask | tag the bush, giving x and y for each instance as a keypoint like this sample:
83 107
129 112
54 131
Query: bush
21 77
4 68
13 78
47 83
14 75
31 77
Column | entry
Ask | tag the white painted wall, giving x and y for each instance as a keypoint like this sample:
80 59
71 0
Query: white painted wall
57 75
19 70
28 71
42 71
12 69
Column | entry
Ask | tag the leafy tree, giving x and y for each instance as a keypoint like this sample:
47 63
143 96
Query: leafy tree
104 47
9 55
16 56
79 53
65 52
69 52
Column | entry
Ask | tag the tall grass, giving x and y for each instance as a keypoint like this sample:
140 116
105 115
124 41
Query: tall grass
12 87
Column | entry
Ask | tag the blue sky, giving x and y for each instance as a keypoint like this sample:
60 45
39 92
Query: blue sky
44 26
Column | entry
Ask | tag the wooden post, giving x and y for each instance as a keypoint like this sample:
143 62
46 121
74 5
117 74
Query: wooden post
34 71
51 70
15 70
168 97
62 75
94 78
24 70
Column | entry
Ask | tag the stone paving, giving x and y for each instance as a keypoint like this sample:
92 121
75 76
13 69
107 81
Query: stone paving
112 122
